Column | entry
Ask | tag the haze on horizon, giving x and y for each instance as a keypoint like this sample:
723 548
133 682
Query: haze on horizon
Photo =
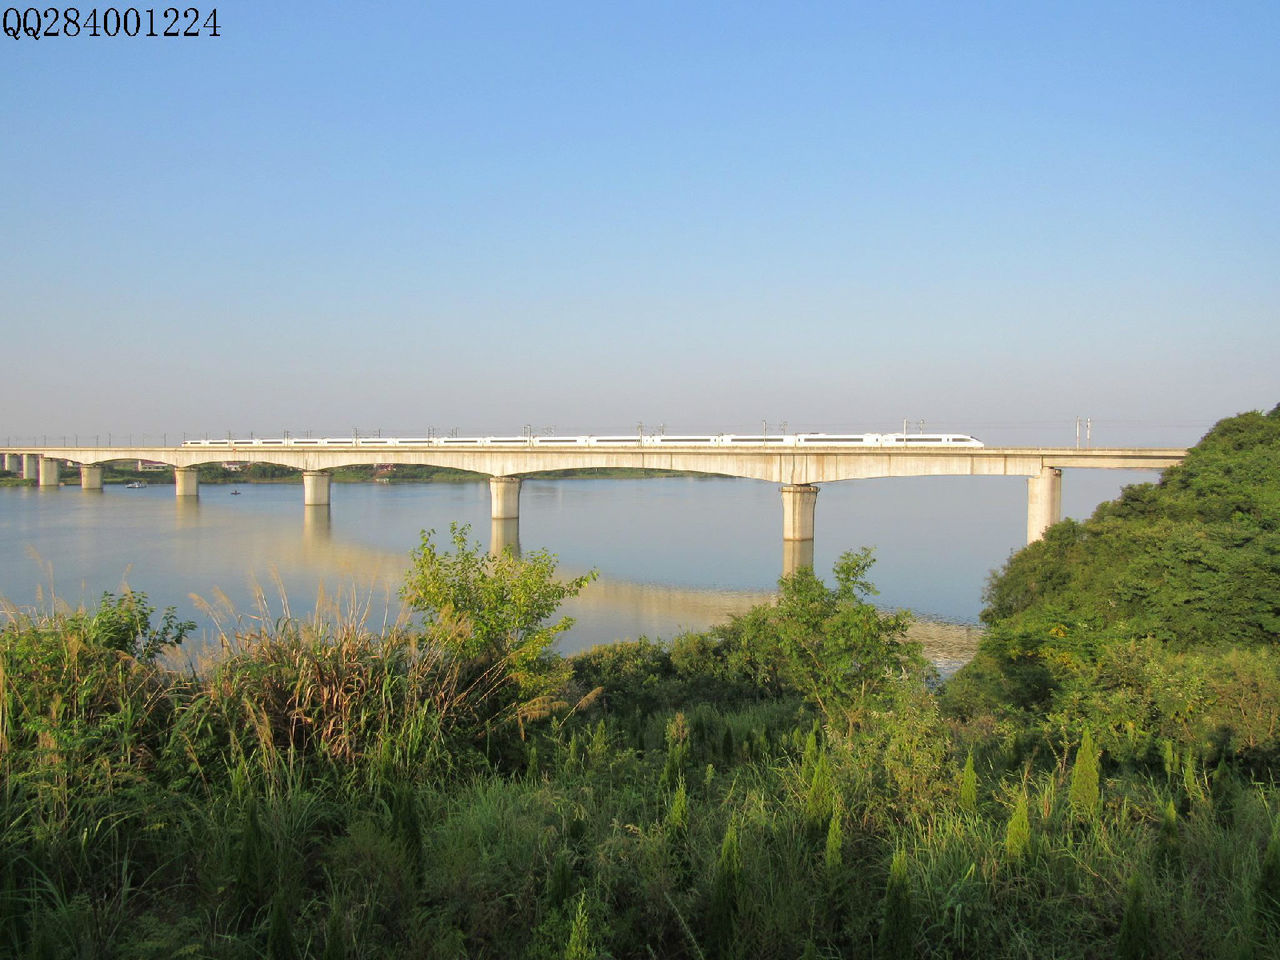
994 218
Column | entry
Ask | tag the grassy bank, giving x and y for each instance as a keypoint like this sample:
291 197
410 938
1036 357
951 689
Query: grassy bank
325 791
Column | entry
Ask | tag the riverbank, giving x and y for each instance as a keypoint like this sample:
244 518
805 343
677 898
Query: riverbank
324 790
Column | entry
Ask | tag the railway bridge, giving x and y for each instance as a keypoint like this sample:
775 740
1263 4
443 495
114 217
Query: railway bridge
797 469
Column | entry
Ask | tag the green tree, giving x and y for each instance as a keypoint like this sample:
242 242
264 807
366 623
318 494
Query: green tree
123 623
1156 619
830 644
492 617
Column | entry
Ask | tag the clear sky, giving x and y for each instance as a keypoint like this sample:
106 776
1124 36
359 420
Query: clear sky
994 217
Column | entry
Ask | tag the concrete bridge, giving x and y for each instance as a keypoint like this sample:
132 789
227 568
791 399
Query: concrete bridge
798 470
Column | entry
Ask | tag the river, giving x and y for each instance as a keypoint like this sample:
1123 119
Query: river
672 553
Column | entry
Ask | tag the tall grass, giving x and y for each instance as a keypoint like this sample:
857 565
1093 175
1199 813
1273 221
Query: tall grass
327 789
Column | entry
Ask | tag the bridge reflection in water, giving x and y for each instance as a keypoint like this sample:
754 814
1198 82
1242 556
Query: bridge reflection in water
368 580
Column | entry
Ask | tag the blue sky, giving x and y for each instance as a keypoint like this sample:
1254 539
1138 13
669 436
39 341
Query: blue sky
991 216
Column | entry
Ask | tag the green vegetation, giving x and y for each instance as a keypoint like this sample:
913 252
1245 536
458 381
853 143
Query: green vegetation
249 473
1154 624
404 473
1099 782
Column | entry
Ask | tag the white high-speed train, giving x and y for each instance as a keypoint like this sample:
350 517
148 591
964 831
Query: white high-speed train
621 440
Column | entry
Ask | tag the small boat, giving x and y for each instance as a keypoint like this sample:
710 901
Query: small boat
135 484
235 493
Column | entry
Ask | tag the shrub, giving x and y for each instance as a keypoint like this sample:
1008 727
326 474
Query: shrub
495 610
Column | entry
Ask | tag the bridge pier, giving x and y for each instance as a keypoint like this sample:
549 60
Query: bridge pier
504 498
315 488
90 476
31 466
1044 502
186 482
12 462
50 472
799 502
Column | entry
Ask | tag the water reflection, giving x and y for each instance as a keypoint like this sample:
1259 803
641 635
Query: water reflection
317 523
186 512
795 555
504 534
678 553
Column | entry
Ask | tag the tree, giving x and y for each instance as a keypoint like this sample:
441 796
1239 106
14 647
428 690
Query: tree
492 616
1156 618
830 644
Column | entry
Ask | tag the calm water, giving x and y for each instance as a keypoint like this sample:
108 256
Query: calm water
672 553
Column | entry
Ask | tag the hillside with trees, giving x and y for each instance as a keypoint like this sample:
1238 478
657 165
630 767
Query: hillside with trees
1157 621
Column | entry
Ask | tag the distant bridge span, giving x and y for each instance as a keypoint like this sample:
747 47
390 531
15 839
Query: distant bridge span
797 469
